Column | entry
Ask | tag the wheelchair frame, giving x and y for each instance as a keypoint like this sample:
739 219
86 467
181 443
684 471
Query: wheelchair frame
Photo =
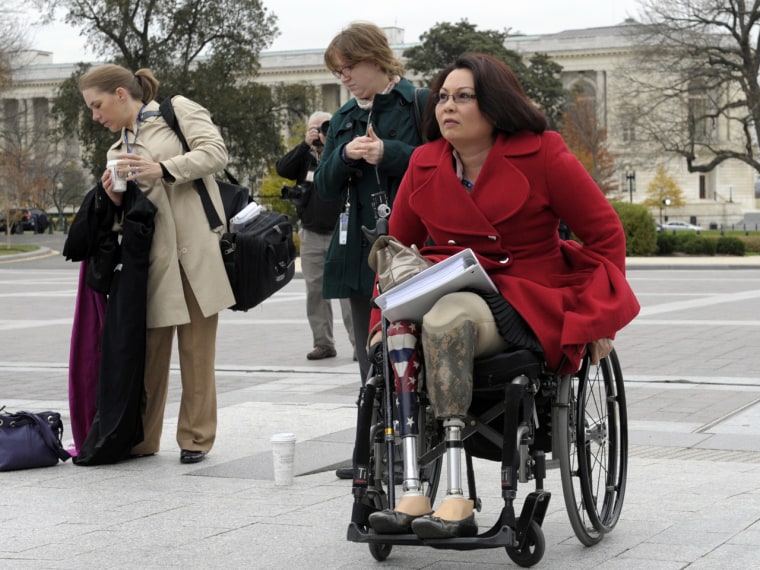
580 418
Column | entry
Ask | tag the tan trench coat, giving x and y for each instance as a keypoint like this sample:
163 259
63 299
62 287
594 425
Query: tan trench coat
182 235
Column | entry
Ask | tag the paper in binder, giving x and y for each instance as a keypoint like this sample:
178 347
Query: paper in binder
413 298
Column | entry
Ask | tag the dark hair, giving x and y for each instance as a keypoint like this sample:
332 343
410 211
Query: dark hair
362 41
500 97
141 85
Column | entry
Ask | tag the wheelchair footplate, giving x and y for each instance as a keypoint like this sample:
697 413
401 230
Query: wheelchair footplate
499 535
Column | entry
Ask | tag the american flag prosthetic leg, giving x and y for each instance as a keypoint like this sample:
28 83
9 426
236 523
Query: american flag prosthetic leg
403 343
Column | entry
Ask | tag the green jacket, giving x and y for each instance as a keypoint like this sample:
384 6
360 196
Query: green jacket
346 272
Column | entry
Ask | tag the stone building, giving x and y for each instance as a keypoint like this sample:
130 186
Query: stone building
590 57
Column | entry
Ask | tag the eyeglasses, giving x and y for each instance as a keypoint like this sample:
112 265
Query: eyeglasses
344 71
458 98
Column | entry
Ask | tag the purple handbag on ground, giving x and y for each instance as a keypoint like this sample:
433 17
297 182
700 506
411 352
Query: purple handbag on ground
29 440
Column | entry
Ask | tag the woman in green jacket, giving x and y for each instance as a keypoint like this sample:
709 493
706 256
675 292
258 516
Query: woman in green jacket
366 154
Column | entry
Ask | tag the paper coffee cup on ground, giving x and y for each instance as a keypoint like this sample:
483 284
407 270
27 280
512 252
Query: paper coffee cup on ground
119 181
283 457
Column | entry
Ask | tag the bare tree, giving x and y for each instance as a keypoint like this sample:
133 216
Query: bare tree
693 89
587 140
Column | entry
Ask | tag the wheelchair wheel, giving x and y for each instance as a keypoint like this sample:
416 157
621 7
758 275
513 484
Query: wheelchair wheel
592 443
380 551
532 550
604 461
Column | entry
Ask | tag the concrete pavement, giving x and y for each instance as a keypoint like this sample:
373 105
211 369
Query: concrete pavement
693 388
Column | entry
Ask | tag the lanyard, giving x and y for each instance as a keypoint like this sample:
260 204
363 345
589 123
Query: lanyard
140 118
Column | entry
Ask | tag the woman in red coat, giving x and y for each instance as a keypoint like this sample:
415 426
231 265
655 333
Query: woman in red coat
494 180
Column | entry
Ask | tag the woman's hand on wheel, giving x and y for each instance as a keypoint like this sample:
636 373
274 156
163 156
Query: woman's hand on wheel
599 349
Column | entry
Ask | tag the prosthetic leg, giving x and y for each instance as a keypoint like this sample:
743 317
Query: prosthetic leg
449 354
403 349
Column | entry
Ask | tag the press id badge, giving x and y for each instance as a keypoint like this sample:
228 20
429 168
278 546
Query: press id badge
343 229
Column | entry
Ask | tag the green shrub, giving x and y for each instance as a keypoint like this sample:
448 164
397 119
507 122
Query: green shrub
751 243
730 246
640 231
693 244
666 243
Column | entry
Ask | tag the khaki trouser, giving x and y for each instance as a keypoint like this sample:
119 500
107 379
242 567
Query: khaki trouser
196 428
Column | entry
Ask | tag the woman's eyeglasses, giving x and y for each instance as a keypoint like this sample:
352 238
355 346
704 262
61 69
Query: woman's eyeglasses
344 71
458 98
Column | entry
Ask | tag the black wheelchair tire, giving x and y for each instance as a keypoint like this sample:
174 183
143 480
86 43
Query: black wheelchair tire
604 465
380 551
567 405
532 550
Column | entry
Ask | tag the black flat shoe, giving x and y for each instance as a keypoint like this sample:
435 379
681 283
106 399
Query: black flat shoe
190 456
391 522
432 527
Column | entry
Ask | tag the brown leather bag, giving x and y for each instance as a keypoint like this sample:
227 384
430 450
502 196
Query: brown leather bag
394 262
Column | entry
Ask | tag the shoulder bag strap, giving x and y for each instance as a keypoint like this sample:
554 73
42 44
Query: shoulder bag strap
167 112
46 431
417 113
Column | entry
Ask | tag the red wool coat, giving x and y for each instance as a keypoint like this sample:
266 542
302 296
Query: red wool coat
569 294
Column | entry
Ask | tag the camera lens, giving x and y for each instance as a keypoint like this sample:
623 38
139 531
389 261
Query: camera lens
323 127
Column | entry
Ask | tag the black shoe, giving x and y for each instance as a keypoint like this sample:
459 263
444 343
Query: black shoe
391 522
191 456
432 527
344 472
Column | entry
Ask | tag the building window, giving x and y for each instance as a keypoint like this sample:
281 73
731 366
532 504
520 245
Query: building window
629 133
702 187
40 106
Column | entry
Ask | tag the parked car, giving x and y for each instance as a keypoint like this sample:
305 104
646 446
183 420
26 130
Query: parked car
25 219
38 221
679 226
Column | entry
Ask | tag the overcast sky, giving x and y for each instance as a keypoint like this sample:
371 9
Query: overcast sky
312 24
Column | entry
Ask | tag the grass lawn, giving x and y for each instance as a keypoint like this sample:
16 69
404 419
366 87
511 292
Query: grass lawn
16 248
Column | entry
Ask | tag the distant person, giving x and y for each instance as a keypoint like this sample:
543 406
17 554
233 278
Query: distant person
187 285
366 153
318 218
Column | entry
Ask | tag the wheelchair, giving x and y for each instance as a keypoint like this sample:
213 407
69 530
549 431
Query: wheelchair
522 414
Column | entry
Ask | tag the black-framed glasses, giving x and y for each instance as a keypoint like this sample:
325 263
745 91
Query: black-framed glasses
458 98
344 71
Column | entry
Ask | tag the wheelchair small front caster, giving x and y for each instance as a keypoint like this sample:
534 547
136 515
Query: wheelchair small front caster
380 551
532 549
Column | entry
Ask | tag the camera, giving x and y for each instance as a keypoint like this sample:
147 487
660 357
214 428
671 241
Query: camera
292 192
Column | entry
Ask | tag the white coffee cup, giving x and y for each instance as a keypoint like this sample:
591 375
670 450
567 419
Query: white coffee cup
119 180
283 458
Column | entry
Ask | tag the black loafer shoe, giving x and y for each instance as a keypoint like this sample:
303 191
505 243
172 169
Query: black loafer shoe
191 456
391 522
432 527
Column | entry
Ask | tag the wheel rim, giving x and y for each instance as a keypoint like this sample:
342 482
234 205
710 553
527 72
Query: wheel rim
602 441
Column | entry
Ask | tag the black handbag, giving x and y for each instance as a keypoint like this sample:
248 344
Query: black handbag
29 440
259 258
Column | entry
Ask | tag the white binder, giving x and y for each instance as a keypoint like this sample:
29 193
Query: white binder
413 298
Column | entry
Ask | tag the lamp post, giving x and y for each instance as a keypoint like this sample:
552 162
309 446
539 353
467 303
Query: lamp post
665 203
59 187
630 177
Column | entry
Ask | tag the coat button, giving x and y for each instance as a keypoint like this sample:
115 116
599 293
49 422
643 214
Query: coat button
183 250
452 242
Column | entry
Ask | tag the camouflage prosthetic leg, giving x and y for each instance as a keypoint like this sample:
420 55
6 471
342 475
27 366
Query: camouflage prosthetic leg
449 354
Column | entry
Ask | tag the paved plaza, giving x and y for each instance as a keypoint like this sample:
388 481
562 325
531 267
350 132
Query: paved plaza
692 368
